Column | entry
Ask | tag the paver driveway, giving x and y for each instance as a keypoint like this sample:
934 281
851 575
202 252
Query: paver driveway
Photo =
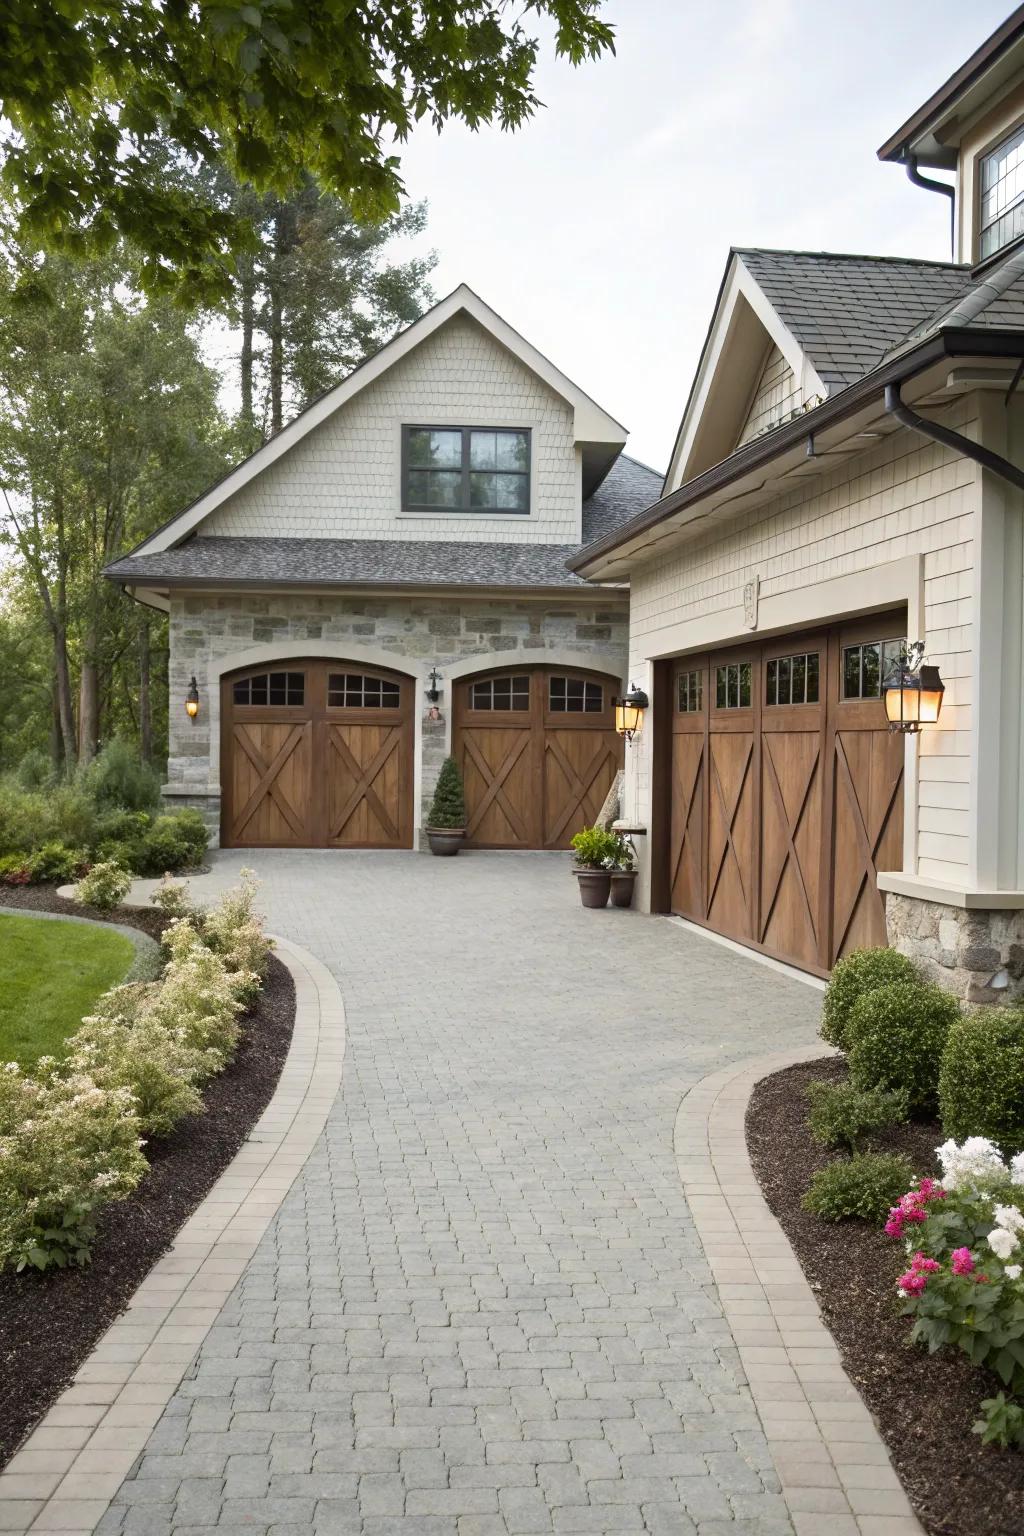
483 1307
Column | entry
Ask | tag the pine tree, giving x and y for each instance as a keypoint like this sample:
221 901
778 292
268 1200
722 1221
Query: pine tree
449 806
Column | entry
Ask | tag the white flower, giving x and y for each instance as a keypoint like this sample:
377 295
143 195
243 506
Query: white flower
1012 1271
1002 1242
1009 1216
977 1160
1017 1169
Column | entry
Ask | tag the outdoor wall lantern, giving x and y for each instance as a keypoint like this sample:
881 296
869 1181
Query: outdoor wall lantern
629 712
433 678
913 692
192 699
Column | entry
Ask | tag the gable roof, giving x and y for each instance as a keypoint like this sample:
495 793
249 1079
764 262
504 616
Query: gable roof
599 436
219 561
847 311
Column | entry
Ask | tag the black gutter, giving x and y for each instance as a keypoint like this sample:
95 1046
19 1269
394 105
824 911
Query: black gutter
949 439
954 343
931 185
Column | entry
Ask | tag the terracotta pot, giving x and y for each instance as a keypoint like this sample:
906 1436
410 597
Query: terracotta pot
623 882
445 841
595 886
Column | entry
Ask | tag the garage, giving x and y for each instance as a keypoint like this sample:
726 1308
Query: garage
317 754
538 751
785 790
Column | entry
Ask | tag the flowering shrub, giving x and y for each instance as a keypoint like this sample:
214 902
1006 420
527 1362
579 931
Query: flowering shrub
171 896
859 973
67 1147
963 1283
126 1046
104 886
199 995
235 932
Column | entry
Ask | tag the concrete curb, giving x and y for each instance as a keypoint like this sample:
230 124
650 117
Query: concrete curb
833 1464
68 1470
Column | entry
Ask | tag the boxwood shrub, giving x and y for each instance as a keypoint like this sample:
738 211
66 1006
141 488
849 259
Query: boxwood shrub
862 1187
981 1083
859 972
896 1038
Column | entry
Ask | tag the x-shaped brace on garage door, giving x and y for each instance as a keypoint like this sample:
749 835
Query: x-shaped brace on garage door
495 780
364 777
791 857
268 782
866 844
580 785
684 837
730 813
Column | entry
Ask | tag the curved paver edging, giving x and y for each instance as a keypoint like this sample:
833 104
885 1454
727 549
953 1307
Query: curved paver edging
148 961
70 1467
831 1460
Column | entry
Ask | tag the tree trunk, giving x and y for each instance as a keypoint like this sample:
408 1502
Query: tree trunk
88 712
65 704
248 326
145 704
56 740
276 361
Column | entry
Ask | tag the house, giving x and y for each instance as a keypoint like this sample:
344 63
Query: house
847 478
384 582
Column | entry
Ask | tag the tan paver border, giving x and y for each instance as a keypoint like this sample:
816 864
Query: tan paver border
834 1466
68 1470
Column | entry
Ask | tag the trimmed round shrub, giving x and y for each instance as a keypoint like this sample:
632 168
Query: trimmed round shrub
859 972
981 1084
842 1116
862 1187
896 1037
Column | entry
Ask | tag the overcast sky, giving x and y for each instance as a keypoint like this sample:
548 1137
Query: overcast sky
601 230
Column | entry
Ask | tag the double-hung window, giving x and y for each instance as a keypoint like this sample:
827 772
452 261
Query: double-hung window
466 469
1001 196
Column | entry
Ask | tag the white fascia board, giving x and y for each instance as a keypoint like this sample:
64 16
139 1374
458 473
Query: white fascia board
739 283
592 424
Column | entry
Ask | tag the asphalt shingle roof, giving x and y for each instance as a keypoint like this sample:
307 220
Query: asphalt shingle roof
628 488
846 312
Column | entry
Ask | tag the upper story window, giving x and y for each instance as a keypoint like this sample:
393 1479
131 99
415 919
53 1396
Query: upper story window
465 469
1001 200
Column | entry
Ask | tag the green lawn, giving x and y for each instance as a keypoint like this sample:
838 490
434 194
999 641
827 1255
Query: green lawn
50 975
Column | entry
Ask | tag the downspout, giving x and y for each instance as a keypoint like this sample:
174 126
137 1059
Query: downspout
931 185
894 406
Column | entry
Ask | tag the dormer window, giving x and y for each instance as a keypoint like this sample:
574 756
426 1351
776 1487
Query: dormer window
466 469
1001 208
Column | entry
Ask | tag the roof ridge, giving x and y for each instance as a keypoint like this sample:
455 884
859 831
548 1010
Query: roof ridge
641 464
905 261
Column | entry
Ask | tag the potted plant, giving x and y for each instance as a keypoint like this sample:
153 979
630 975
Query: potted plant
623 875
446 824
596 851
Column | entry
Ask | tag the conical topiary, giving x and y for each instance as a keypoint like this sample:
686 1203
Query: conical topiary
449 804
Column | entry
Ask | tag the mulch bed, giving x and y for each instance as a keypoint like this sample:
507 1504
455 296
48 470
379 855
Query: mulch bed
924 1404
50 1322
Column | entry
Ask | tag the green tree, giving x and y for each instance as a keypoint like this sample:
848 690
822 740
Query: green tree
93 93
315 295
108 423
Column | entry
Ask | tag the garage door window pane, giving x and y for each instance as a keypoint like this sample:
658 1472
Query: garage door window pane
866 666
575 696
690 693
733 685
504 693
792 679
353 690
277 688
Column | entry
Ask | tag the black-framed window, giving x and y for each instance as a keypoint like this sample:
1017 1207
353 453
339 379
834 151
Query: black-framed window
501 693
793 679
732 685
276 688
866 666
1001 196
574 696
354 690
689 693
466 469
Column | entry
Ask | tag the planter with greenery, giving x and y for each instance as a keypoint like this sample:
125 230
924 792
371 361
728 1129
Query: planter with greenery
623 875
446 824
597 855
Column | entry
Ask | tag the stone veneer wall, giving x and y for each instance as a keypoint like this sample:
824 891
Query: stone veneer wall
974 952
417 632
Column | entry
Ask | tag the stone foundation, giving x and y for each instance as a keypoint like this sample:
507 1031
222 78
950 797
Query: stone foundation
975 953
207 805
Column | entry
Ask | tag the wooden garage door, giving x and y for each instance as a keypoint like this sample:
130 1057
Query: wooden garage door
785 791
317 754
538 753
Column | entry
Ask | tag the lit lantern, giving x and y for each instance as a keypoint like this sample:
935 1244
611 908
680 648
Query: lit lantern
192 699
629 712
913 692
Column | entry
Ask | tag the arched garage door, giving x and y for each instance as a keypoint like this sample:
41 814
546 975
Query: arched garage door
317 754
538 753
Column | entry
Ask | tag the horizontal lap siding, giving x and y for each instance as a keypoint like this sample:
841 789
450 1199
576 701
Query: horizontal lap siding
343 480
902 497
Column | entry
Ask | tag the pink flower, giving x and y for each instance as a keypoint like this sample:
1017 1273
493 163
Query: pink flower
894 1226
911 1284
963 1261
929 1189
920 1265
